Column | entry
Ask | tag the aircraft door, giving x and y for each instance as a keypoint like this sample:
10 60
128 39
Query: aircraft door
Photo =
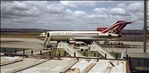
48 34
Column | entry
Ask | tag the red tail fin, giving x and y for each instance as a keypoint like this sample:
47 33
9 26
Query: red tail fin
116 28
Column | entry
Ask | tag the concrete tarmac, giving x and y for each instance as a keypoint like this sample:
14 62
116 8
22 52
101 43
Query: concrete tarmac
31 43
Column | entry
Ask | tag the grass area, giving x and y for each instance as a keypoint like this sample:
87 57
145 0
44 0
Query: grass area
11 50
20 34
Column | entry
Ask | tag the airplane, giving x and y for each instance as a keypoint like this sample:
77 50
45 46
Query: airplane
86 36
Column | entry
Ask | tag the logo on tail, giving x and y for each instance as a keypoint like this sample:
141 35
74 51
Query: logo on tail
116 28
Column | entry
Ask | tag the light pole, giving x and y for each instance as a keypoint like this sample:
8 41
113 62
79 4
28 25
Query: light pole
145 26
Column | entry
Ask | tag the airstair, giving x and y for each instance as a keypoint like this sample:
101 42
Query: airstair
69 49
46 42
96 47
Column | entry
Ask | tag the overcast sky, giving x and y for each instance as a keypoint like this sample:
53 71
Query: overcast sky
70 15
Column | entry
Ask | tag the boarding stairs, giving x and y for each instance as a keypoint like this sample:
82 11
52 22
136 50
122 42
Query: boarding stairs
69 49
46 42
97 47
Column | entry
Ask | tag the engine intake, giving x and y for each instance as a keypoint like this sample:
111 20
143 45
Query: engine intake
109 35
119 35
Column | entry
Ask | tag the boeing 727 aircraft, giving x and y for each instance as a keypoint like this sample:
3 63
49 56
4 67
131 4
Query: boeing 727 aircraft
86 36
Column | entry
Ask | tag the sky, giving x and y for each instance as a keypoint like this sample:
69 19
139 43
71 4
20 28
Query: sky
71 15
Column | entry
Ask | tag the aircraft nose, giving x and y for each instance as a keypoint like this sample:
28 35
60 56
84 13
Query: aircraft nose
41 36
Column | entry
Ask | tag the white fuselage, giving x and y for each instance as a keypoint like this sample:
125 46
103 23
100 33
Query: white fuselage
74 35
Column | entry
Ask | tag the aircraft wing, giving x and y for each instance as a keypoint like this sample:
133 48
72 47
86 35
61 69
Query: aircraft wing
88 39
